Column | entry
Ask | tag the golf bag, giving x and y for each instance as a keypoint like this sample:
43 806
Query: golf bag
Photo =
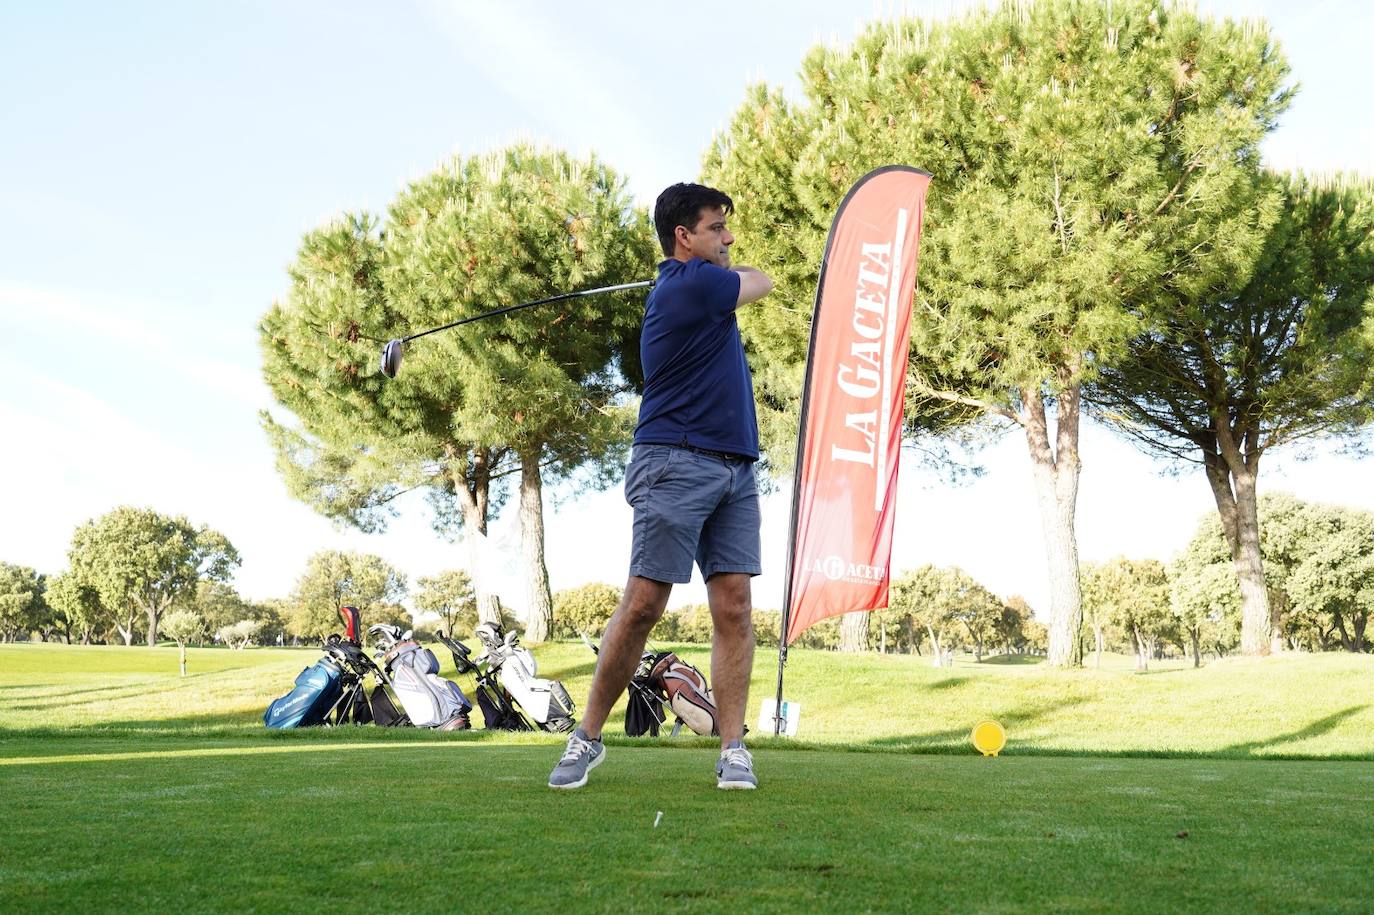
644 705
545 702
685 690
429 700
333 690
499 711
355 706
311 700
662 677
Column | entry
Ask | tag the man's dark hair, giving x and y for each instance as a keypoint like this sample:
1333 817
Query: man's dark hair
681 205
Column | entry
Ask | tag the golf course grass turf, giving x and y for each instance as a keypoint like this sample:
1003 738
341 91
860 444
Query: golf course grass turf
128 788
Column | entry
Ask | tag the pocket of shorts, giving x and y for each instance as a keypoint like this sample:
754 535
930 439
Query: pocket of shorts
657 474
645 473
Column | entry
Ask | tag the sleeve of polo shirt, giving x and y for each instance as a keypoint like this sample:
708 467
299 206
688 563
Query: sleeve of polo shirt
717 287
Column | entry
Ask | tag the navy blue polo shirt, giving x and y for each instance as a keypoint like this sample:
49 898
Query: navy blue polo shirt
697 387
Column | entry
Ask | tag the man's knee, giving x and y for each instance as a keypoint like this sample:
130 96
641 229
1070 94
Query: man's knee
732 606
644 602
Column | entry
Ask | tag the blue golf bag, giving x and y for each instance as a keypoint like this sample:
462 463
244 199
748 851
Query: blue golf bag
317 690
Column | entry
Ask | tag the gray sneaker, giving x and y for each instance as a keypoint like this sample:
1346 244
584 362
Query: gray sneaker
736 768
582 756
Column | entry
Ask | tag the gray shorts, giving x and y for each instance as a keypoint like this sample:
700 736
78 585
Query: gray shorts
690 506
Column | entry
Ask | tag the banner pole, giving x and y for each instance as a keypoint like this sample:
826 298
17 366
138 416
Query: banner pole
796 490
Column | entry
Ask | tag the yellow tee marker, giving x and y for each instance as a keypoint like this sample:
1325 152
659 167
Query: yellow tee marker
988 737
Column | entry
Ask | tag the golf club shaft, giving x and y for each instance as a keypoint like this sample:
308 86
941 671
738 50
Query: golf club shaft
553 298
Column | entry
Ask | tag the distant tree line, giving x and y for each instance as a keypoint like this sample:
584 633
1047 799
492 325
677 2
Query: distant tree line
133 572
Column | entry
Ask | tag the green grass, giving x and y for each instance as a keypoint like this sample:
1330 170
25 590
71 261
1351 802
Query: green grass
1294 706
130 788
451 824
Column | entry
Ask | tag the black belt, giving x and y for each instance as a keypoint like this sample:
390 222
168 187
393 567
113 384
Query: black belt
723 455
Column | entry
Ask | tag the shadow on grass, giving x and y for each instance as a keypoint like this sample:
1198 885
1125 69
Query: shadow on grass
1166 670
1016 717
1013 660
570 671
128 689
1315 729
947 683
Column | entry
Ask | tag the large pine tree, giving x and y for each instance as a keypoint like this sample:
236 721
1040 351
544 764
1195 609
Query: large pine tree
1085 159
521 396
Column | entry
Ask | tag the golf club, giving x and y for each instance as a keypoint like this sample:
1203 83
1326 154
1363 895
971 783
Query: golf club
391 353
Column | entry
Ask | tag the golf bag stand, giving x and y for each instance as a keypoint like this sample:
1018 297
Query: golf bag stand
544 702
499 712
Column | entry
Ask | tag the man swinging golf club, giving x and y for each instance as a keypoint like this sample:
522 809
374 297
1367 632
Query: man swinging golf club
691 477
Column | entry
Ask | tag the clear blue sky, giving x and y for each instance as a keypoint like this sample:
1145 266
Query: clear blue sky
160 161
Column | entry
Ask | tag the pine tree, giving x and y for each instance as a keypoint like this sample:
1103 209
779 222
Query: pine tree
534 394
1085 159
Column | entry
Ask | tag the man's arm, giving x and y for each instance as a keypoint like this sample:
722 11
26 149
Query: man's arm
753 285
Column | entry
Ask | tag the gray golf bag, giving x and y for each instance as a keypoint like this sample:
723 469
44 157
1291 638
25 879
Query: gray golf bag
428 699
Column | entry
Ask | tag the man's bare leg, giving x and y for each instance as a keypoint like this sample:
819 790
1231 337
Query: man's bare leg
622 646
732 650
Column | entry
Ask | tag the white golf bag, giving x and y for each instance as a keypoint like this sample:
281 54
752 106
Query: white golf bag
428 699
545 702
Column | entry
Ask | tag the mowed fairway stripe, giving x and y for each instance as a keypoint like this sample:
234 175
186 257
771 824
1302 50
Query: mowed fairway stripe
252 750
205 828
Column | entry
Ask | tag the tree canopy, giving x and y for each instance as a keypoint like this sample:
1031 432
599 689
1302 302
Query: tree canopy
141 562
1133 596
1086 159
536 392
1319 572
450 596
22 604
948 603
1228 369
334 579
585 609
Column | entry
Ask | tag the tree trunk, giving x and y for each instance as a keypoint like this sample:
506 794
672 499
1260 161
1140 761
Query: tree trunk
182 646
471 482
154 610
127 634
1056 470
882 639
939 653
1142 655
540 601
1346 642
854 631
1197 655
1232 476
1097 649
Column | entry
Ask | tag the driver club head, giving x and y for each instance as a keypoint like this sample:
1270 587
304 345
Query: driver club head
391 358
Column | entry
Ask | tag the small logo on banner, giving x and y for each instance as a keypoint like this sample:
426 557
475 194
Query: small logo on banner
837 568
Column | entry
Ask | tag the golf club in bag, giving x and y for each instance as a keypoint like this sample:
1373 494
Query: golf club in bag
545 702
430 701
393 351
333 691
499 711
644 706
662 678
